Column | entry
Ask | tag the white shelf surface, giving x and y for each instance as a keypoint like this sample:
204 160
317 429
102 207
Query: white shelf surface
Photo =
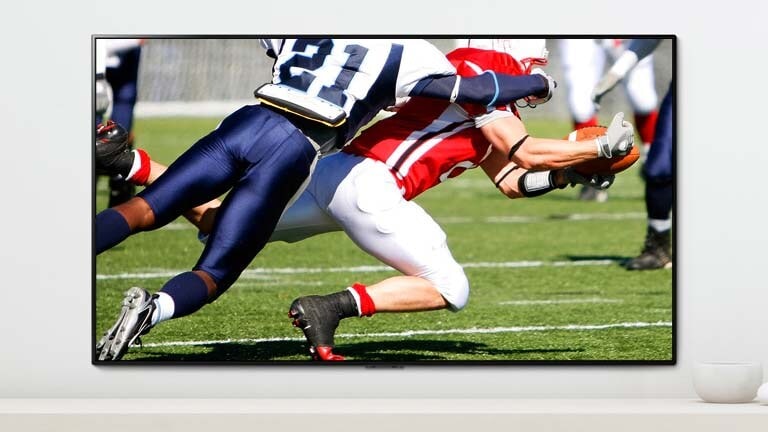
191 415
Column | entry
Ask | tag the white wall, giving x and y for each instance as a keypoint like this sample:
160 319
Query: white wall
45 248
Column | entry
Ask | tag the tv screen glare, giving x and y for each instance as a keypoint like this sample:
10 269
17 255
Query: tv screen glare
393 201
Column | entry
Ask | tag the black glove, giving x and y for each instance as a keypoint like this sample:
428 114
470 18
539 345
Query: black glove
596 181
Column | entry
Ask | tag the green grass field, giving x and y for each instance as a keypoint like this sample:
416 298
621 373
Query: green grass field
547 284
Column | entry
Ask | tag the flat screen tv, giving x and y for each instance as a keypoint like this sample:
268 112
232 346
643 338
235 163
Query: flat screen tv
393 201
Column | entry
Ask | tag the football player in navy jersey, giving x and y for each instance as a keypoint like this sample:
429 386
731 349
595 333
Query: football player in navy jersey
658 166
322 92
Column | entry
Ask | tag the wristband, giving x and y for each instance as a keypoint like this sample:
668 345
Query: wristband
536 183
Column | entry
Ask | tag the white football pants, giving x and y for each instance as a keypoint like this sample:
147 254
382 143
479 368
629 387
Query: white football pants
360 196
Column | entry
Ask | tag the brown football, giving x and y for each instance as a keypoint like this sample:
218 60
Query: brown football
613 165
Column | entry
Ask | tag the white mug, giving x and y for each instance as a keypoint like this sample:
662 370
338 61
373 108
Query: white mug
727 382
762 393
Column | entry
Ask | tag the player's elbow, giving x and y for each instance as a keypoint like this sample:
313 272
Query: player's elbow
511 193
526 162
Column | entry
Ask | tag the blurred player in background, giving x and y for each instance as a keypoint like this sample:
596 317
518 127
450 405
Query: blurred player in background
658 166
584 61
367 189
102 89
122 73
323 91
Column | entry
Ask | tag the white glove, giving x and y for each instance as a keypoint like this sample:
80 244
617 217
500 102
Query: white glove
597 181
533 101
626 61
103 97
606 84
618 139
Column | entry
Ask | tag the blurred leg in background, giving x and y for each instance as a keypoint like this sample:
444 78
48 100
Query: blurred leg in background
659 195
584 61
122 74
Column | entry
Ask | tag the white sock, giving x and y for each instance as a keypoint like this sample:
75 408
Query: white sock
660 225
136 164
165 308
357 300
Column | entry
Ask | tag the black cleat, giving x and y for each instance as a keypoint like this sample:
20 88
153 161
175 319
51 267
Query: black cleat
318 317
656 252
114 145
120 191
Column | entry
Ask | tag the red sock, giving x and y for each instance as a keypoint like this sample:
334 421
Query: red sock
592 121
367 308
646 126
141 175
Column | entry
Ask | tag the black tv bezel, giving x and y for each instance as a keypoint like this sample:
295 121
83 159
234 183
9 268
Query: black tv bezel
392 364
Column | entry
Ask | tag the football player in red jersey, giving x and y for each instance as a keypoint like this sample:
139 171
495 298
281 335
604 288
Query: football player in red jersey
367 189
322 92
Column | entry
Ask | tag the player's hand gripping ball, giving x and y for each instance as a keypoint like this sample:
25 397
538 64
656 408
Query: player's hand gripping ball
614 165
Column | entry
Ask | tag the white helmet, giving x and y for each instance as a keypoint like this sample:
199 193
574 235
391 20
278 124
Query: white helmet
528 52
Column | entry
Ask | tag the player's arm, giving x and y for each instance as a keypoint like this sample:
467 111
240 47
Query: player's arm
510 179
516 182
508 136
637 49
489 88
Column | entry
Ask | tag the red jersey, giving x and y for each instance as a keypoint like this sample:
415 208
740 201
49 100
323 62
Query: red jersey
429 141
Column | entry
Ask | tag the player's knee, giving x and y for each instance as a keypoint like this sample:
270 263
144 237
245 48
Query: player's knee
657 173
453 285
658 179
138 213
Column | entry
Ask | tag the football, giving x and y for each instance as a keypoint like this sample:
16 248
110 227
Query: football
613 165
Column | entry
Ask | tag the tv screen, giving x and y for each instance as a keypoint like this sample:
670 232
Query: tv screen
468 200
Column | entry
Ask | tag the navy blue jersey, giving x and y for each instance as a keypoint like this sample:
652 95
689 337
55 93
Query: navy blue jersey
362 76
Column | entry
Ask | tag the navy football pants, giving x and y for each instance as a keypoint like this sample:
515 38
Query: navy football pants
263 158
124 83
658 167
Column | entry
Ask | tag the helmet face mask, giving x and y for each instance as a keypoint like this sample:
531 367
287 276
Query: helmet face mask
528 52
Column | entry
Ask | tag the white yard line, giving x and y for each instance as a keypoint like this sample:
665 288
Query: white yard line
558 301
410 333
502 219
260 273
